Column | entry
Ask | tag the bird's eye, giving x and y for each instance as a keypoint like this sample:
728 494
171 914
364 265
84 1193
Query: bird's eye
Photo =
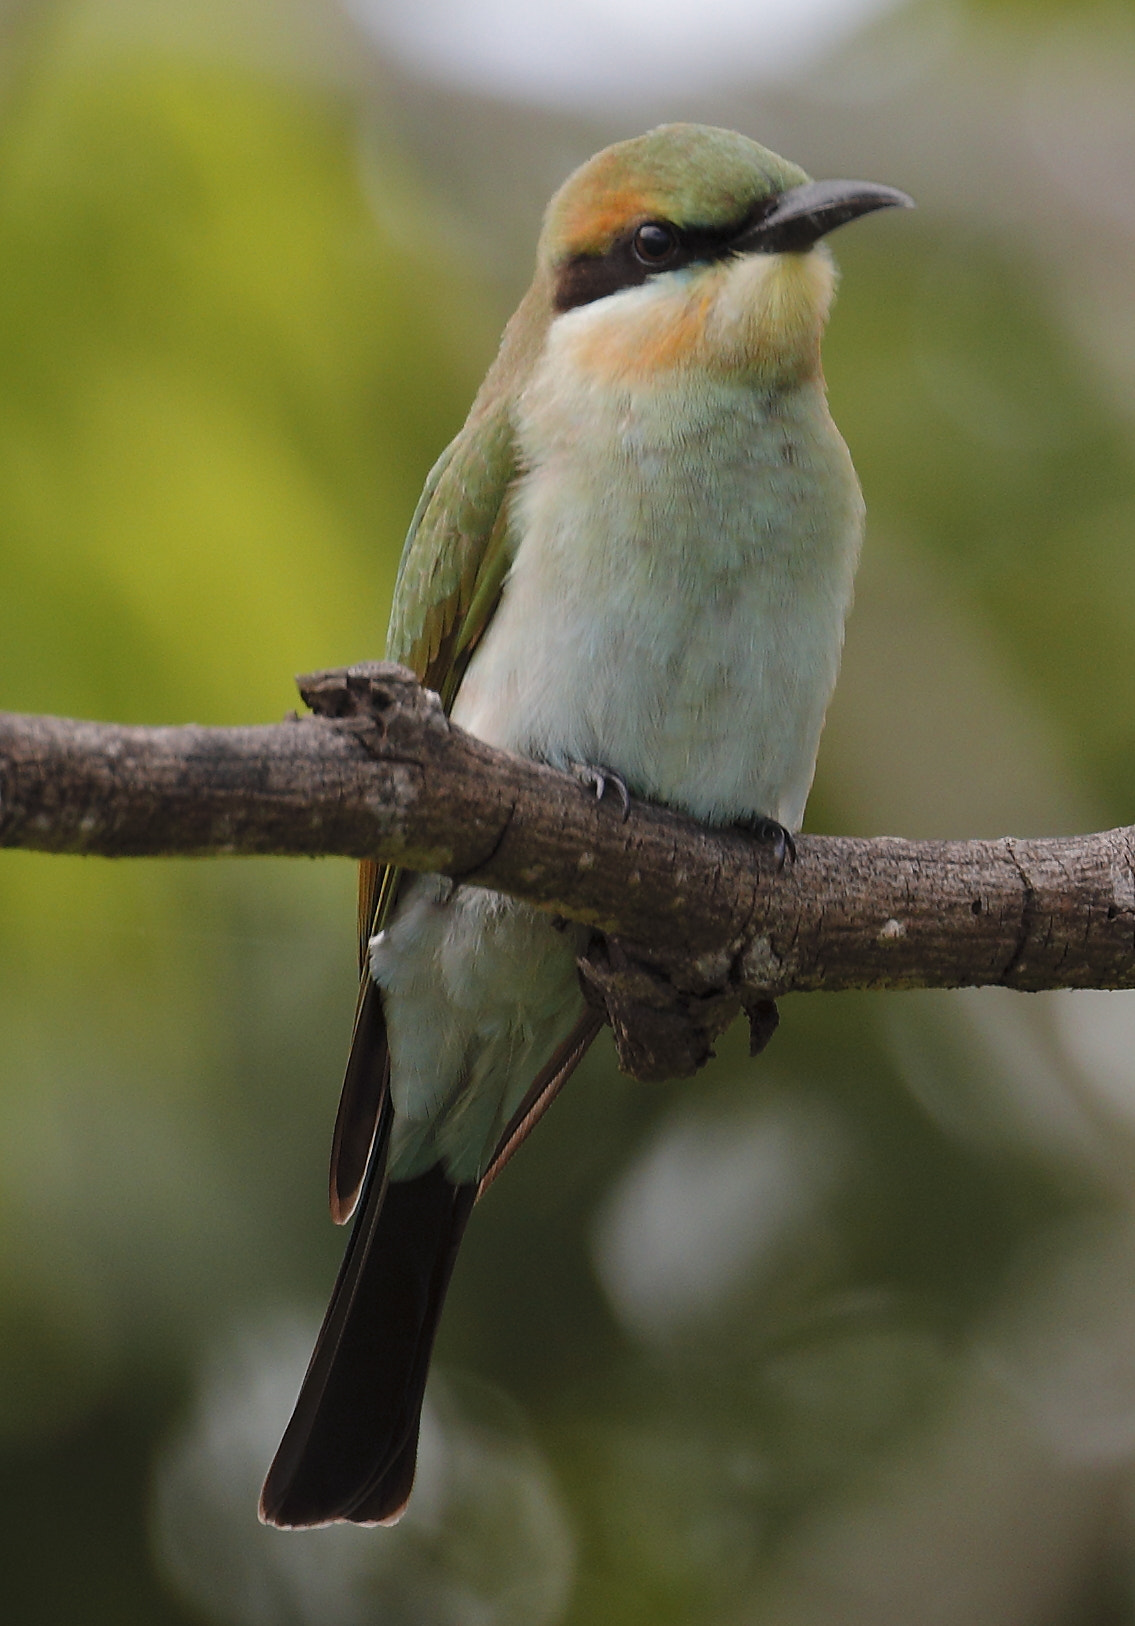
655 243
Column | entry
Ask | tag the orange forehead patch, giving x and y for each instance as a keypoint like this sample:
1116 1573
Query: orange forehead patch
687 173
592 224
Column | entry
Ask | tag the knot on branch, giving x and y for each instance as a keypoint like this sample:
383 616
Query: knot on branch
376 699
663 1029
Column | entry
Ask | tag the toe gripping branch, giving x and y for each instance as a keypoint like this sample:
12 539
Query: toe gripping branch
594 776
773 834
664 1027
663 1030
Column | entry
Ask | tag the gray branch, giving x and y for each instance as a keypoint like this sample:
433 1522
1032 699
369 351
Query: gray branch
690 922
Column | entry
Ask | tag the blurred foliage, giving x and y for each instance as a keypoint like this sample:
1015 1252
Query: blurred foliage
226 367
841 1336
980 431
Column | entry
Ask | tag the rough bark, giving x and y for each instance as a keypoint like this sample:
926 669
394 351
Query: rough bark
690 922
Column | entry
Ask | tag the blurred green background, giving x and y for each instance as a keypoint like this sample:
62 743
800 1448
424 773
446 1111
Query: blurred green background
846 1335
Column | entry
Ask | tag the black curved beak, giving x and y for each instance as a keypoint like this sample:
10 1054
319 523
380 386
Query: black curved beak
801 216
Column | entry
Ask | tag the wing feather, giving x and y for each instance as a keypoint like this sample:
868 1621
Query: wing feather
454 564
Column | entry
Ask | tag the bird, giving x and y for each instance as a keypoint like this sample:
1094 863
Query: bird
633 563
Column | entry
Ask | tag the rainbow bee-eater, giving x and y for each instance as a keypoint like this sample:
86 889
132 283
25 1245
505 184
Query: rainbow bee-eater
634 562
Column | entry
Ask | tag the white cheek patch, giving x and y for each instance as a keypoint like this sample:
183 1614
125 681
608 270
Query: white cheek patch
770 311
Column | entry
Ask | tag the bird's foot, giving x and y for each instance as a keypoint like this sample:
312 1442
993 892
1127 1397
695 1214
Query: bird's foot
773 833
595 777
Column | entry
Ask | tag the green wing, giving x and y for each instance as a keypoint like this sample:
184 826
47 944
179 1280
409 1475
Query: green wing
453 567
456 553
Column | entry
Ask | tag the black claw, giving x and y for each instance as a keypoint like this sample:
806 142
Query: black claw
597 778
772 832
764 1018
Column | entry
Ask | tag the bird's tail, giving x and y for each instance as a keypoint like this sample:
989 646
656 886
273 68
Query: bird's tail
350 1449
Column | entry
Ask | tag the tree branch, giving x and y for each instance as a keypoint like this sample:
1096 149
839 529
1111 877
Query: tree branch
696 921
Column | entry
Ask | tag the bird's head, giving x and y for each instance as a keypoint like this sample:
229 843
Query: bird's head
693 247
